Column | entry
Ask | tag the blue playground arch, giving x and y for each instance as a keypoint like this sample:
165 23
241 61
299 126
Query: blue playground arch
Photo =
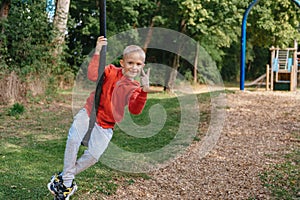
243 42
50 9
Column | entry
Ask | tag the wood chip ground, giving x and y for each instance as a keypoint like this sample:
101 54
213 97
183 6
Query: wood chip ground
257 132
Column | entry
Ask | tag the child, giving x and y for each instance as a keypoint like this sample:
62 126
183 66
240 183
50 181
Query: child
118 90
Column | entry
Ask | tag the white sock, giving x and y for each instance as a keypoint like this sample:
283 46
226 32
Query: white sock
68 183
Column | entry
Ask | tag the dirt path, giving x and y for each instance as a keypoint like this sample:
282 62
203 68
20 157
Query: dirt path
256 133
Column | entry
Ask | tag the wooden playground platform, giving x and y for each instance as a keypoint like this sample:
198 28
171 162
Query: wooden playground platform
284 69
282 72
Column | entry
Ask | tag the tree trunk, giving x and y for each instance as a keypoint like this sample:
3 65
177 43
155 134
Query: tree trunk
4 9
149 36
12 89
196 65
60 25
172 74
150 32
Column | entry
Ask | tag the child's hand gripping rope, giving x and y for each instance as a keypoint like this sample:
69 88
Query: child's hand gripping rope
101 41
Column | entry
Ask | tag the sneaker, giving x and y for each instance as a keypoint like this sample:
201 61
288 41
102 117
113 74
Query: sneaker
64 192
59 190
55 180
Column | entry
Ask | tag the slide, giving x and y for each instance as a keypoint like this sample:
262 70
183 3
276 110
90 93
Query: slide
257 81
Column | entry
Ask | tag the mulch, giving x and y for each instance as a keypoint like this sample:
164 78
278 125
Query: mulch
258 130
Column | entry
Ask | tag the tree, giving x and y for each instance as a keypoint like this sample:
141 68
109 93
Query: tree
25 60
60 25
274 23
212 23
83 28
270 23
4 9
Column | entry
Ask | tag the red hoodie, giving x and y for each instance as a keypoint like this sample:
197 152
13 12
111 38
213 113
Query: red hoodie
117 92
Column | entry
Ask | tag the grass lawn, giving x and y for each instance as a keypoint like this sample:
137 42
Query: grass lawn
283 180
33 141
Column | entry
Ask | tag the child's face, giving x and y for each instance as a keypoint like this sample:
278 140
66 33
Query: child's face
132 65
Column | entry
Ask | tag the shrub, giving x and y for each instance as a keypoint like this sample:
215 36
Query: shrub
16 110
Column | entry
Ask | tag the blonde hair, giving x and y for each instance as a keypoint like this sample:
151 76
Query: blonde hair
134 49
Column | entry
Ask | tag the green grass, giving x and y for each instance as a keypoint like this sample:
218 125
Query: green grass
283 180
32 146
159 140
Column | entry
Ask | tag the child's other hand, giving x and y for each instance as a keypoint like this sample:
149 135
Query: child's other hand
145 80
100 42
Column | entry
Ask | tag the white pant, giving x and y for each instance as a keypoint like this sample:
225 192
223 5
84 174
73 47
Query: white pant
98 142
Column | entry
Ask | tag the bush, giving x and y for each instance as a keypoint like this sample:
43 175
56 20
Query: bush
16 110
26 48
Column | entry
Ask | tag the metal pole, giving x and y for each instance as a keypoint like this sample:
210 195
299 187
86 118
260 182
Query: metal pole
297 2
243 45
243 42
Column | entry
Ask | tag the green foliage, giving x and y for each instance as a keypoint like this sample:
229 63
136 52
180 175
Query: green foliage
84 27
26 42
214 23
27 37
257 67
270 23
51 89
189 76
16 110
230 68
274 23
27 48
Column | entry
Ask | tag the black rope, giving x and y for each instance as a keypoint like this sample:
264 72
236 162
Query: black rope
102 63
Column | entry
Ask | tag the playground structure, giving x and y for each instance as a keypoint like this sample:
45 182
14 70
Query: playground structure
243 41
282 72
